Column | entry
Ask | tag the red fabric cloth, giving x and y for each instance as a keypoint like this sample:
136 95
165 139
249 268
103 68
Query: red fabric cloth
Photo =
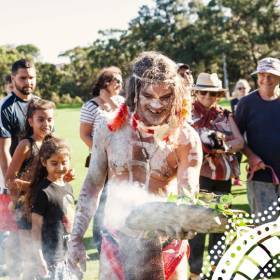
172 255
110 249
206 115
216 166
7 220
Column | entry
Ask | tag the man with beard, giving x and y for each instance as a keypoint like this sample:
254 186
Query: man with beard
13 109
147 147
12 120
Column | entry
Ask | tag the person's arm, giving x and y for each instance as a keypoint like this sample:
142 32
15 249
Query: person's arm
5 157
237 143
85 133
88 200
255 162
190 160
6 130
21 153
36 232
88 116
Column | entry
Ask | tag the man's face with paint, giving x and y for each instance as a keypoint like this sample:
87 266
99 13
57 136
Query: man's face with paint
155 103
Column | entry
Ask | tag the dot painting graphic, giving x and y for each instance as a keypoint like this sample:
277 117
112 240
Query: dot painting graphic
249 249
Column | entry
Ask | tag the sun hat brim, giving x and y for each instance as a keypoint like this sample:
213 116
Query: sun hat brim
205 88
271 71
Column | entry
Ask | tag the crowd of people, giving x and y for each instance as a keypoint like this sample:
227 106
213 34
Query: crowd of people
162 133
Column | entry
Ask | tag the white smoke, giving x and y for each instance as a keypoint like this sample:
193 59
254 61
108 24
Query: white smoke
122 199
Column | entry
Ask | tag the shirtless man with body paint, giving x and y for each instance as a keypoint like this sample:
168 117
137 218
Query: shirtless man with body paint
149 143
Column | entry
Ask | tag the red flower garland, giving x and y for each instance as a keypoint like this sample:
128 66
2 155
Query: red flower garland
120 118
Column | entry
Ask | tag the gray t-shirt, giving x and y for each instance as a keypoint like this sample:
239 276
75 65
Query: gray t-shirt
260 120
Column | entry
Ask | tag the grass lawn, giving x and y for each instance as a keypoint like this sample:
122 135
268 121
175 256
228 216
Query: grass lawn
67 126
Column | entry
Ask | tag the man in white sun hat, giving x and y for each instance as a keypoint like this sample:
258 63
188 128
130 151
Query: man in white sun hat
258 116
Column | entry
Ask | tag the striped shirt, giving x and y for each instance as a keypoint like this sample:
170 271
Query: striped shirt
91 113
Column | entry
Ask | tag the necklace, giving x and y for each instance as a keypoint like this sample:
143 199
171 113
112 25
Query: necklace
160 133
148 157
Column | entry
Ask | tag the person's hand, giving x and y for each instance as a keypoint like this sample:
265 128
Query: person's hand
76 257
43 268
13 187
255 163
69 176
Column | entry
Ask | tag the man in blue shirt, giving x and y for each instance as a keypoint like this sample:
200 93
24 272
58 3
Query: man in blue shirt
257 117
13 110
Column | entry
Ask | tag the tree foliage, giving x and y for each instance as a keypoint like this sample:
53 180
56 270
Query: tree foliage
196 32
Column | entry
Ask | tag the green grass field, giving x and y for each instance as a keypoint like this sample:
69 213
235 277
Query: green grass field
67 126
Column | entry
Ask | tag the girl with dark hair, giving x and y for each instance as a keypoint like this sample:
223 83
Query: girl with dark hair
52 208
39 123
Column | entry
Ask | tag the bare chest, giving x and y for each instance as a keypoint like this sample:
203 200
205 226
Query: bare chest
142 160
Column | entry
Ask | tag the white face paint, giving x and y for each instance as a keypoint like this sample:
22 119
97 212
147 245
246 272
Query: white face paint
155 103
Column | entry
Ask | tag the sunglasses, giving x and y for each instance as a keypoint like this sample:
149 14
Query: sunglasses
240 88
117 81
211 93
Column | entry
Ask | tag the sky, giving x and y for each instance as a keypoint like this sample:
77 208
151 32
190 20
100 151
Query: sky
55 26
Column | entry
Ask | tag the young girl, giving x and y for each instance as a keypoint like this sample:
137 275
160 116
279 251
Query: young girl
39 123
52 208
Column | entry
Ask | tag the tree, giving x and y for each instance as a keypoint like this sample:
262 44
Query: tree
28 51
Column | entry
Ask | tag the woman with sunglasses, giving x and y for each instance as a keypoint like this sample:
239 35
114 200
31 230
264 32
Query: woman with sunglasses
106 98
220 139
241 88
